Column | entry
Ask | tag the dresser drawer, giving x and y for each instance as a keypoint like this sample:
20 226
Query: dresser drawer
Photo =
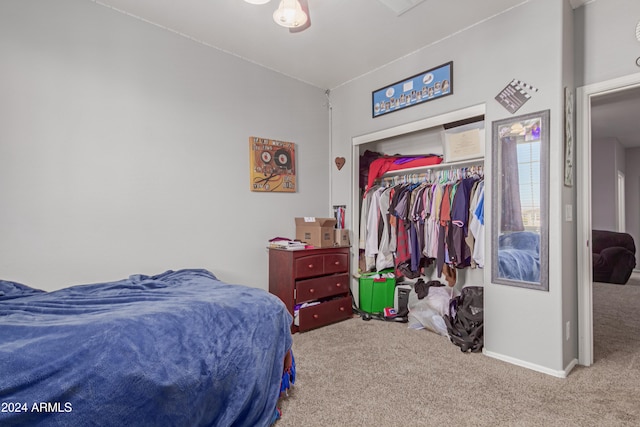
325 313
336 263
322 287
317 265
309 266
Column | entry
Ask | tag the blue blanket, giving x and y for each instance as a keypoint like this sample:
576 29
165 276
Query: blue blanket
519 256
177 349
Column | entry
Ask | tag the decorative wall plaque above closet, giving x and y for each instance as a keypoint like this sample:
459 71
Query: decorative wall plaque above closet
426 86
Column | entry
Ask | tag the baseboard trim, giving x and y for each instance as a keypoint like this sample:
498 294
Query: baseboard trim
553 372
570 367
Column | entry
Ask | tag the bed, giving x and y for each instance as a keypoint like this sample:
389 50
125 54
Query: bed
177 349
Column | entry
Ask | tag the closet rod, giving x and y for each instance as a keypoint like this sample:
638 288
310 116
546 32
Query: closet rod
428 177
449 165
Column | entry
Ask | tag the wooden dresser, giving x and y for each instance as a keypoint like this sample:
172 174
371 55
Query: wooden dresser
312 276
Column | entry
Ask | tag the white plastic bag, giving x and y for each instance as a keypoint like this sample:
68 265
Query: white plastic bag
428 312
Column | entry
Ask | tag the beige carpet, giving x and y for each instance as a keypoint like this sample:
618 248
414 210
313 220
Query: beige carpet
357 373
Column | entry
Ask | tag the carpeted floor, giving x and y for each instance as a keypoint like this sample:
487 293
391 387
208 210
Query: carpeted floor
634 280
357 373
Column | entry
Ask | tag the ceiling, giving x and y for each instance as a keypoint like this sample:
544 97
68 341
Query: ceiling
348 39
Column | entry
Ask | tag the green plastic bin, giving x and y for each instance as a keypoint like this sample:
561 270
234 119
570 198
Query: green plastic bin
376 294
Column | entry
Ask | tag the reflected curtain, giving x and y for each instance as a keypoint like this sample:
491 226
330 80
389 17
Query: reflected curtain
511 215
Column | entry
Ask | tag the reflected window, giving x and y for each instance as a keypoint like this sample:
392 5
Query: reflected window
529 176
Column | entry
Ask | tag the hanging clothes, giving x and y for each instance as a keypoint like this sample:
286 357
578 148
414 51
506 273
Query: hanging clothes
384 259
373 222
459 224
410 225
476 225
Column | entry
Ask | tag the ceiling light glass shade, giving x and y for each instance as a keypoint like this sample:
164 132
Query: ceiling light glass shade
290 14
258 1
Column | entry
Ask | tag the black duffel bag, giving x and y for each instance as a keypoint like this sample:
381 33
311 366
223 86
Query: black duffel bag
465 320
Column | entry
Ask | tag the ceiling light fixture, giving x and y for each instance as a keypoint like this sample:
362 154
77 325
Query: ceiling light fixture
290 14
258 1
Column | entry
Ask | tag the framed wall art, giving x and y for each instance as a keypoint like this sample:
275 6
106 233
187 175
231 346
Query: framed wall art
426 86
272 165
568 137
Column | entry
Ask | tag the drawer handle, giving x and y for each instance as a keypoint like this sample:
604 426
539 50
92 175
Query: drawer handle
337 263
338 285
315 316
310 266
311 290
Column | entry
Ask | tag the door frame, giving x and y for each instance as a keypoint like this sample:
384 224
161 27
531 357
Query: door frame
583 190
620 203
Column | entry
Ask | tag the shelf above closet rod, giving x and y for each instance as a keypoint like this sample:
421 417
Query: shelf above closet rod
431 167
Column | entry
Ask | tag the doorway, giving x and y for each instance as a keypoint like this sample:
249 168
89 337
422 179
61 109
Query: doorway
585 96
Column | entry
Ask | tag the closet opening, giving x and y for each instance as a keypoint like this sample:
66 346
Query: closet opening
419 140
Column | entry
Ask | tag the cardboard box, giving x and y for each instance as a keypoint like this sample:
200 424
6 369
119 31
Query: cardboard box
341 236
318 232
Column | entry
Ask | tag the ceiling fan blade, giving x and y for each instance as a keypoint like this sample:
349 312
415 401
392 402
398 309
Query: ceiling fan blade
304 4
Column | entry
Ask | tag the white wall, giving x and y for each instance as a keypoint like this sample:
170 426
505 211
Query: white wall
521 325
604 182
606 45
124 149
632 202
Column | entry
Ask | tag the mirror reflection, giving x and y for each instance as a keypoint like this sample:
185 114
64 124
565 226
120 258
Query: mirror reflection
519 220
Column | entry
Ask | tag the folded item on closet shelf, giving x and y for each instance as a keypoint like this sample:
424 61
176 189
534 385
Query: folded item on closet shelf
380 166
403 160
